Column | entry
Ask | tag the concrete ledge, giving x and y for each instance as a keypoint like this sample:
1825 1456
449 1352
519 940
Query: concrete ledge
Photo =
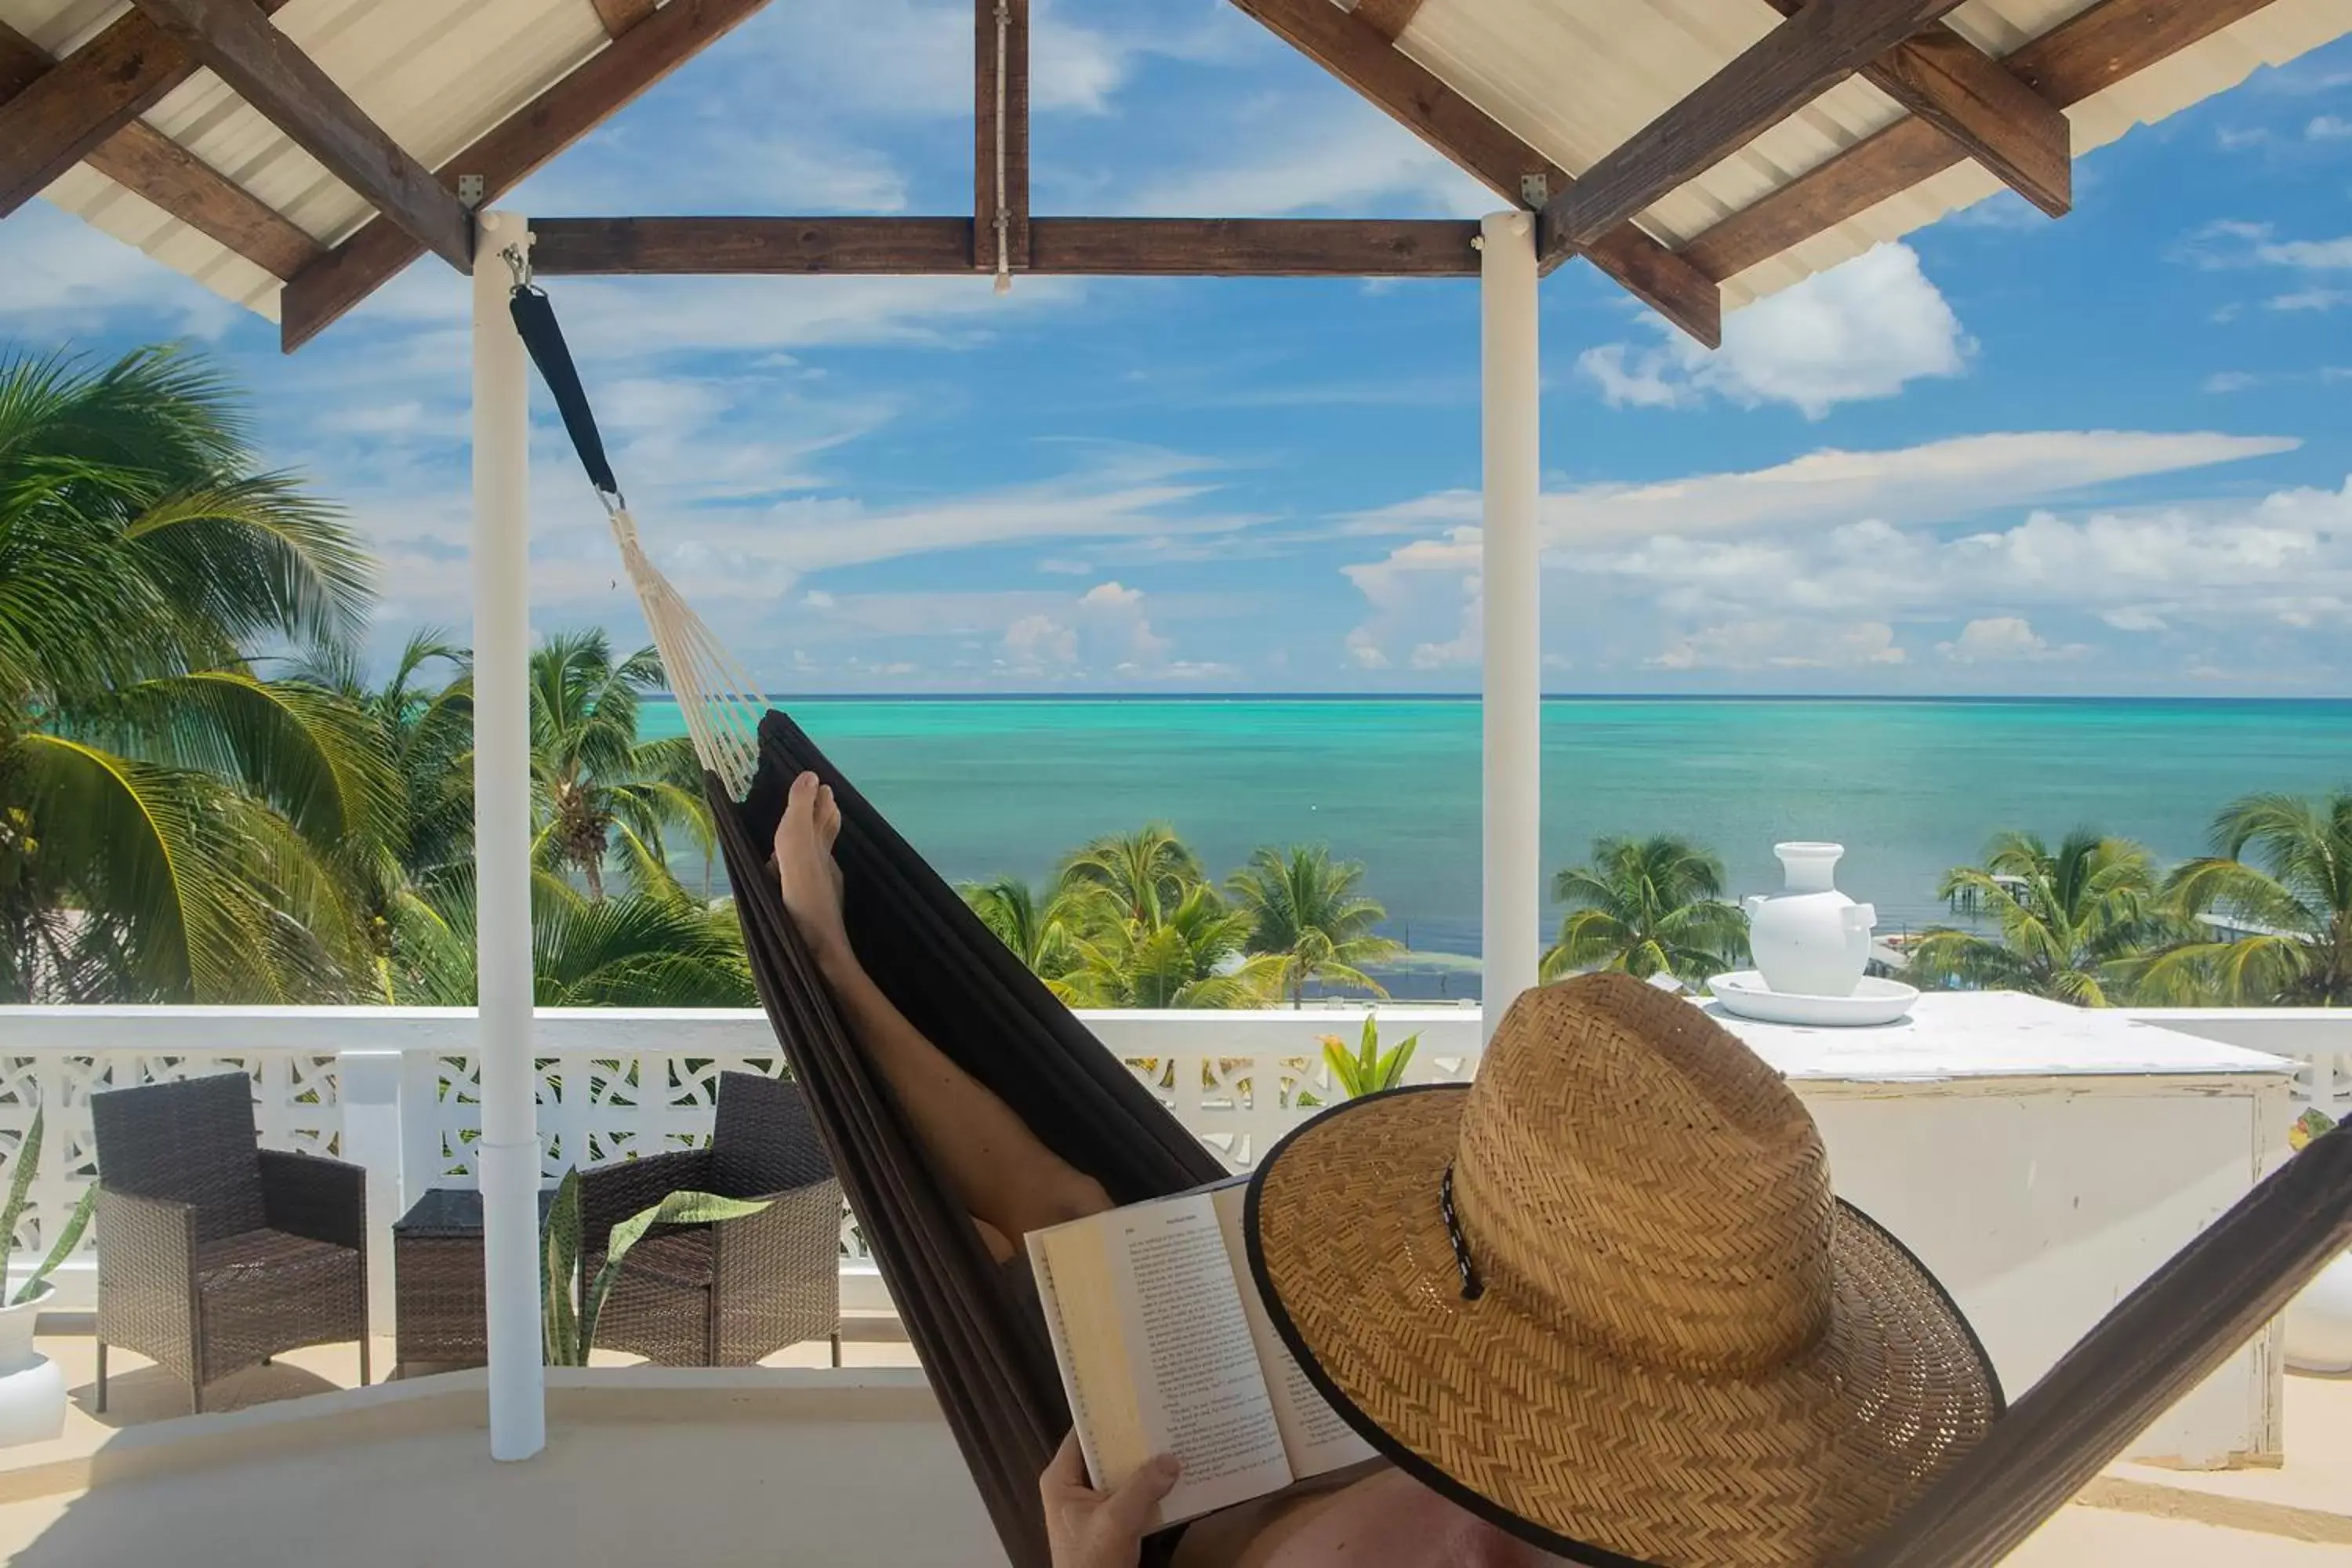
456 1402
2219 1510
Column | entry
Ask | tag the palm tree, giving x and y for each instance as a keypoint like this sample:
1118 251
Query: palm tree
655 947
595 787
1645 906
1143 875
1041 930
1193 958
166 814
2075 925
1305 909
2293 907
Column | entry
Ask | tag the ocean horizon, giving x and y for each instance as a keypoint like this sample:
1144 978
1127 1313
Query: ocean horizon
998 784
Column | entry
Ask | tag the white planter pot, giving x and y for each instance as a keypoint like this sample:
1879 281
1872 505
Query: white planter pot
1810 940
2320 1322
32 1388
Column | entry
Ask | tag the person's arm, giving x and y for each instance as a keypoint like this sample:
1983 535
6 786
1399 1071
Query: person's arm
1088 1528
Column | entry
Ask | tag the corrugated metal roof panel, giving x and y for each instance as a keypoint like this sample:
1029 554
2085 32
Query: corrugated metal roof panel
1573 78
437 75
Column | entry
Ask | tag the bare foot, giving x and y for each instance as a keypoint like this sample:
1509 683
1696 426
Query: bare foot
805 865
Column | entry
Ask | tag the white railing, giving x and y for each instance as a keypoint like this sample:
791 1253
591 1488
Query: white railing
398 1090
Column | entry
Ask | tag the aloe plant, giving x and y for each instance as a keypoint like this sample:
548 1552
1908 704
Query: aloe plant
1368 1070
20 1188
568 1313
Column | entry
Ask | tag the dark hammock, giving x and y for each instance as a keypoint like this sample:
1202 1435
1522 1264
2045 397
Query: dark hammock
987 1357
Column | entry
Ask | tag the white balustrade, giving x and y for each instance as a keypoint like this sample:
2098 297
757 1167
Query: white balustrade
397 1091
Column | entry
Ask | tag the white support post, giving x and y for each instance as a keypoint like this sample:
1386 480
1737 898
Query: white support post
509 1150
368 1084
1509 563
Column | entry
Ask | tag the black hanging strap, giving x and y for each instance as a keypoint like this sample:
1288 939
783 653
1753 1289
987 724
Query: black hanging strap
534 317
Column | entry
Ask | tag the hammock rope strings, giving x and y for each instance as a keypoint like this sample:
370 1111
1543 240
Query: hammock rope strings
986 1353
718 700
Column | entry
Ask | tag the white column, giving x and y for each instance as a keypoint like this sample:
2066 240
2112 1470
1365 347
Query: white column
1508 566
368 1085
509 1150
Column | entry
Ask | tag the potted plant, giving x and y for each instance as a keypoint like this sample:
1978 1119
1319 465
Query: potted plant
32 1388
570 1306
1367 1070
2319 1320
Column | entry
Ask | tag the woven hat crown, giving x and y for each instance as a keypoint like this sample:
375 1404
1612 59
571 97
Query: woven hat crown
1629 1172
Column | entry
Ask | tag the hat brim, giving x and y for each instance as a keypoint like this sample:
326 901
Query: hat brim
1548 1433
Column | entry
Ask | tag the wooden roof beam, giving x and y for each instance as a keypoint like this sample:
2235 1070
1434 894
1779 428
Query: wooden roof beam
1076 247
2085 55
1358 53
143 160
1389 17
566 112
62 115
1995 119
1788 68
620 15
271 71
986 171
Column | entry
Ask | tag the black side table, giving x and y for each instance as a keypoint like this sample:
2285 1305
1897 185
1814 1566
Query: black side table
440 1311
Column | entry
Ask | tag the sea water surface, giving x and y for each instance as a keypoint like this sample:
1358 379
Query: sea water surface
983 786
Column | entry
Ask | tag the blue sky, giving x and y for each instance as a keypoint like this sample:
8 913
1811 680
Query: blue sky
2109 454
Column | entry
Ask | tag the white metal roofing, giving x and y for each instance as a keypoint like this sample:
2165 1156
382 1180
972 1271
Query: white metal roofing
1573 78
436 74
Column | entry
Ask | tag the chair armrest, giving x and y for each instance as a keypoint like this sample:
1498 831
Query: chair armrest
309 1195
611 1194
146 1270
798 1232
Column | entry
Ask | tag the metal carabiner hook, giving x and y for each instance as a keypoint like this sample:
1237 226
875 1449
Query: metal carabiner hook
518 262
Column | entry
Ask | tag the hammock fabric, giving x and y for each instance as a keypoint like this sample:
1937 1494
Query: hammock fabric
987 1356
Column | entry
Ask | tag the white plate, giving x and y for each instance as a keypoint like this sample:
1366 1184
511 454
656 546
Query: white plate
1875 1001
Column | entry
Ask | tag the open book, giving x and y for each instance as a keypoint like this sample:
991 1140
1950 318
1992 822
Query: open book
1165 1348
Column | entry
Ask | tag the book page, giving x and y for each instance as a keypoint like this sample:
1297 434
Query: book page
1313 1436
1157 1352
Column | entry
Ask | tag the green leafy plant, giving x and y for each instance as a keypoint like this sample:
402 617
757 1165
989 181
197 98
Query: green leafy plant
1368 1070
20 1188
2313 1123
569 1307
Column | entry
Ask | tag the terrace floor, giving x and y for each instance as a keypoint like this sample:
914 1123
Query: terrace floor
796 1463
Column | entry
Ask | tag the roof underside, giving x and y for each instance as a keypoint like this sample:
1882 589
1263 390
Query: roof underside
1572 78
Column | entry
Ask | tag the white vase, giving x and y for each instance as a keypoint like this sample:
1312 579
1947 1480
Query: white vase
2320 1322
1810 940
32 1388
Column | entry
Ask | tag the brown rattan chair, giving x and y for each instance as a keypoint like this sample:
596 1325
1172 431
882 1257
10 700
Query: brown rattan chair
725 1295
215 1254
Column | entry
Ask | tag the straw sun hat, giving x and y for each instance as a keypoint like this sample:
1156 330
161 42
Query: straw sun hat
1659 1338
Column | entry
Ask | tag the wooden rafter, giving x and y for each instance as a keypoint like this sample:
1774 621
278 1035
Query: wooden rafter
1198 247
1000 27
272 73
1360 55
63 115
620 15
143 160
1787 69
1995 119
2096 49
566 112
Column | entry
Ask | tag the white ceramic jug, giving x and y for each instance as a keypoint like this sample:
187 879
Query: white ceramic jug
1810 940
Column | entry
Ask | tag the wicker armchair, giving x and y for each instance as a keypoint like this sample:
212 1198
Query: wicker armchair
215 1254
725 1295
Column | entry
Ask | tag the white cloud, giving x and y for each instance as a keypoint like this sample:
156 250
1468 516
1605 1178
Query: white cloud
2314 254
2328 128
66 279
1863 330
2004 639
1778 643
1040 642
1337 154
2229 380
2310 300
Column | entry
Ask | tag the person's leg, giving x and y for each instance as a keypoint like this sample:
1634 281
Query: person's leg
1010 1183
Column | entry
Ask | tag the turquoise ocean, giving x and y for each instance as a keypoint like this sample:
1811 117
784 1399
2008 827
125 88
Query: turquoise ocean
983 786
